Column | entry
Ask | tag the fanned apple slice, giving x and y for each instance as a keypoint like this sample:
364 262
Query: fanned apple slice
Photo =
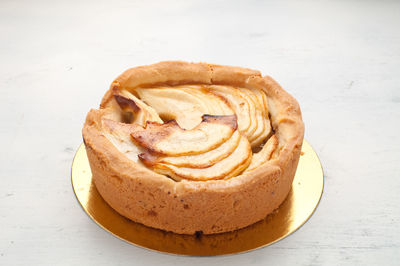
267 122
252 113
239 169
265 103
264 155
262 100
202 160
216 105
235 162
141 112
171 103
238 103
132 113
119 135
170 139
267 131
259 116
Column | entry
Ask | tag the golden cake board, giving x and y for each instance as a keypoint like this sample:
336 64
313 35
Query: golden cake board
294 212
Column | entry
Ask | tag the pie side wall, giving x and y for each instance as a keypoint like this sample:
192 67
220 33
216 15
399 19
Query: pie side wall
186 207
185 213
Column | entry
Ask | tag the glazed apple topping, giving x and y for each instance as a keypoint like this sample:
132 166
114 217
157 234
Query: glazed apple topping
193 132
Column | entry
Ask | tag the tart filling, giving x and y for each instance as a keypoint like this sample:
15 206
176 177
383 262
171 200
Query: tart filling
209 133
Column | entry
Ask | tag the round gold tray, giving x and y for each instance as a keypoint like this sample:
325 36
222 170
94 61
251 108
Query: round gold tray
295 211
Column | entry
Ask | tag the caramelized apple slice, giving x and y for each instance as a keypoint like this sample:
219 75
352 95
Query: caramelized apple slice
170 139
141 112
232 165
202 160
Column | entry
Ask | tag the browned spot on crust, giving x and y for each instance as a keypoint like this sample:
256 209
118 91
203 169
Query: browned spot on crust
115 87
152 213
230 120
117 178
110 124
126 104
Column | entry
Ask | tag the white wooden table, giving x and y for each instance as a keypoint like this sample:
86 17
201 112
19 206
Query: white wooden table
340 60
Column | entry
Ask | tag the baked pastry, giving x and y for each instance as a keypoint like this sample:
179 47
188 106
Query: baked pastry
194 147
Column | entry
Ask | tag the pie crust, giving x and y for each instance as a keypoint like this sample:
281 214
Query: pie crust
186 206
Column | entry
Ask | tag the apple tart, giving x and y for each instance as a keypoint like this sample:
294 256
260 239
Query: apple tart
194 147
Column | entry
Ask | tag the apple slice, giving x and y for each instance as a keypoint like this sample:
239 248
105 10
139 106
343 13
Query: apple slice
239 104
266 132
265 103
262 103
267 123
119 135
264 154
260 100
170 139
141 112
237 171
257 114
216 105
252 113
232 165
201 160
171 103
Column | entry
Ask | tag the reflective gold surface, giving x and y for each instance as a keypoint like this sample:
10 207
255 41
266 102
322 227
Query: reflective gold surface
297 208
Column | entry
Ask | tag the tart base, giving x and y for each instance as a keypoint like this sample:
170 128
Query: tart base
297 208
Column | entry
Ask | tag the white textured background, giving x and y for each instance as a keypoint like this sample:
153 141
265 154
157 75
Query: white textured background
341 60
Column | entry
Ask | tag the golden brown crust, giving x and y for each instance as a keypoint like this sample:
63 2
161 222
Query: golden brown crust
230 75
188 206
